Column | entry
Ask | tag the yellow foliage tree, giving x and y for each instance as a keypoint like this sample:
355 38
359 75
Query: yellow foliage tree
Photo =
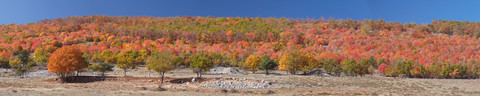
15 62
161 63
125 61
41 55
252 62
287 63
298 61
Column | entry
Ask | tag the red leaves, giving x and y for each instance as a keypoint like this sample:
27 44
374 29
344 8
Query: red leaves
334 39
381 68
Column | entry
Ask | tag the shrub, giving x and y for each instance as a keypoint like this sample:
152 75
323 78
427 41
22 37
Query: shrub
351 67
371 62
332 67
267 64
474 69
179 61
161 63
381 68
366 66
435 69
15 62
452 71
102 67
419 71
201 62
400 67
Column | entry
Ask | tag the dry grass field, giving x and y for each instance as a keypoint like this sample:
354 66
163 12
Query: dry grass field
179 83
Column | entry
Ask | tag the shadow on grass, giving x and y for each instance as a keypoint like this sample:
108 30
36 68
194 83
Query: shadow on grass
84 79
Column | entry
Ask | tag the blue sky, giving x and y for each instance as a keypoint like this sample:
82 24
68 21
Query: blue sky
418 11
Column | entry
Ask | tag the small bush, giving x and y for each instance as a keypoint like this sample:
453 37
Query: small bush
351 67
331 66
400 67
381 68
419 71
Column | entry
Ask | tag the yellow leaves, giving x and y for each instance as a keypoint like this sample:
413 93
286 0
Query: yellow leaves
298 60
15 62
110 38
124 60
161 62
41 55
283 63
252 62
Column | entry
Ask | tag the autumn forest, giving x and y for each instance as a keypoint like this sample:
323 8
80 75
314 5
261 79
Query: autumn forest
440 49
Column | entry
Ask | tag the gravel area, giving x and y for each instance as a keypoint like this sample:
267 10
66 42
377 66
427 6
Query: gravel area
237 84
223 70
3 70
40 73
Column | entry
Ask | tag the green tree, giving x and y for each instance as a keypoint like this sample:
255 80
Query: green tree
178 61
96 57
102 67
364 65
350 66
332 67
24 57
404 67
201 62
161 62
267 64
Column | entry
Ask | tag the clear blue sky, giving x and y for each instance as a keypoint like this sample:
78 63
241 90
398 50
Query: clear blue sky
418 11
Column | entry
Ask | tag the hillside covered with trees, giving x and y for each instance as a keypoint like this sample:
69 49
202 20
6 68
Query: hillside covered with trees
441 49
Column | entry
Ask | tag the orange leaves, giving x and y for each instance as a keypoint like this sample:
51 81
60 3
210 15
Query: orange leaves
66 60
237 37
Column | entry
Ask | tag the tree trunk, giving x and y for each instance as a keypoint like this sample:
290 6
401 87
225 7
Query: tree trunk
149 72
124 72
62 78
103 74
163 74
201 73
266 71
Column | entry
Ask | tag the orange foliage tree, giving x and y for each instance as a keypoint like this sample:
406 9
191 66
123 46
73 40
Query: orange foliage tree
65 61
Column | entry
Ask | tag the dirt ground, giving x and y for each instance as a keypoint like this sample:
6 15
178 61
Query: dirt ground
178 83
